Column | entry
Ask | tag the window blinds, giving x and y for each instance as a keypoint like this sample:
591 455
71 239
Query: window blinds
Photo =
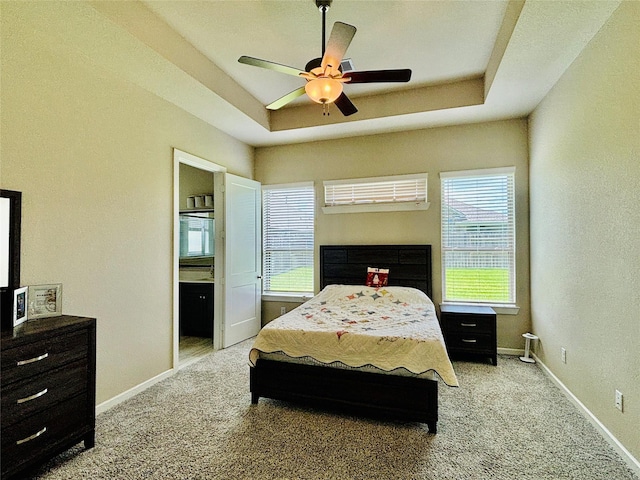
287 224
394 189
478 236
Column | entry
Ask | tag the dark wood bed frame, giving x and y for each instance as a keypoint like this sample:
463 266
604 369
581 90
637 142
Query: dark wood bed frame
404 398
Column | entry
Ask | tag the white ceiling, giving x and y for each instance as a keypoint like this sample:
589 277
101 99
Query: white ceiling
471 60
438 41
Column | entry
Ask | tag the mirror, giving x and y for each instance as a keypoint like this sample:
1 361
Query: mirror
197 238
10 221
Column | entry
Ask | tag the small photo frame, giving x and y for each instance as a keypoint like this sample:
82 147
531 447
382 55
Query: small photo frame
377 277
20 305
45 300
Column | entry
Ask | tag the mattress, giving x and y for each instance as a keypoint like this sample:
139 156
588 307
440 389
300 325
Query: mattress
391 330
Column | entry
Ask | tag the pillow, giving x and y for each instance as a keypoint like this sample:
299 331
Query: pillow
377 277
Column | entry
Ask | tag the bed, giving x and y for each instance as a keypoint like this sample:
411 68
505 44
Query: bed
314 354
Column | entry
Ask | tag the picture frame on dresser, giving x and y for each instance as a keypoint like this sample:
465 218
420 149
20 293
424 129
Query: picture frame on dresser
20 299
45 300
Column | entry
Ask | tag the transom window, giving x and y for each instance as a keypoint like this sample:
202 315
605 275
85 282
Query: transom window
398 192
478 236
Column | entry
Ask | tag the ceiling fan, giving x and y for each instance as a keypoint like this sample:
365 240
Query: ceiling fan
324 75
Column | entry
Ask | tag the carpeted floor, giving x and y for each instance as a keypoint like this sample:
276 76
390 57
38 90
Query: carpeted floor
505 422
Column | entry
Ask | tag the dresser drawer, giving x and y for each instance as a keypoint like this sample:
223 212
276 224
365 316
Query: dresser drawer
470 323
26 397
42 432
43 354
470 342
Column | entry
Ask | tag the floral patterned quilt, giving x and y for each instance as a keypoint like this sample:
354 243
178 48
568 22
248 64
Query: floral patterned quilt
387 327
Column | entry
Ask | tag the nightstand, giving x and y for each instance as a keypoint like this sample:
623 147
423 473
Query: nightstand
470 330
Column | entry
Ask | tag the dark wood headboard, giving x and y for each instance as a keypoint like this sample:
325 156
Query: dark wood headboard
409 265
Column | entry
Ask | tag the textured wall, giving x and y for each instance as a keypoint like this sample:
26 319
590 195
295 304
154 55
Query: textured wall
585 225
93 157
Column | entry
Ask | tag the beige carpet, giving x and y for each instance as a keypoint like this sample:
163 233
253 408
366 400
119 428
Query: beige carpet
506 422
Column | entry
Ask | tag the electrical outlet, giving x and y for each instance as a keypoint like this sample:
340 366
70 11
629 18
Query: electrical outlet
619 400
283 310
563 354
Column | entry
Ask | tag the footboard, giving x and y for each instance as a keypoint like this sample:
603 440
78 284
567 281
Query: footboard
405 398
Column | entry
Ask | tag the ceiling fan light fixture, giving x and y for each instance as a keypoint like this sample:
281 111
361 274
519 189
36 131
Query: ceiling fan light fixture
323 89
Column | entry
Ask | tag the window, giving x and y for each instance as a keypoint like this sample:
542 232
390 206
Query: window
478 236
399 192
287 225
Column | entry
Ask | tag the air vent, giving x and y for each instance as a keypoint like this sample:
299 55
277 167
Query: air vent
347 65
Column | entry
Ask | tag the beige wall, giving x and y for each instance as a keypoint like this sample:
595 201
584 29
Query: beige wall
193 181
92 155
585 225
435 150
271 309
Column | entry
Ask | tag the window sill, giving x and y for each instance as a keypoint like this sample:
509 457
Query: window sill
377 207
500 309
286 297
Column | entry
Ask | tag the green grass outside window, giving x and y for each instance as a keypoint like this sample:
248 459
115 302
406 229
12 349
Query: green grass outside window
297 280
478 284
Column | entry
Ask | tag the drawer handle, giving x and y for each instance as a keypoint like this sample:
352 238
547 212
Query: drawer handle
469 341
468 325
32 397
34 359
31 437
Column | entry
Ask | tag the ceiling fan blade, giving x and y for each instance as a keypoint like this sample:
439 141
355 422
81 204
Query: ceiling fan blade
345 106
339 41
281 102
373 76
256 62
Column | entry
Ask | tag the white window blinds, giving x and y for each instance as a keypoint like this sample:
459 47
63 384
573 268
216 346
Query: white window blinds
478 236
396 189
288 242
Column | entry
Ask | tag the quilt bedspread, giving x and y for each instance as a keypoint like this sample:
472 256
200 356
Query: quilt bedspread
387 327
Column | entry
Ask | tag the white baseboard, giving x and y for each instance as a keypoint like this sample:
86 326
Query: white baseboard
112 402
633 463
511 351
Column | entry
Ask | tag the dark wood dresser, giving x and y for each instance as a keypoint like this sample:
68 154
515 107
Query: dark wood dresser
470 330
48 390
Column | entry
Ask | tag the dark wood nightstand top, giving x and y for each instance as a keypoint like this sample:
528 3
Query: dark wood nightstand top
476 309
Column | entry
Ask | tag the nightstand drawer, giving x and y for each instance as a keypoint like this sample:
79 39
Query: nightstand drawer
41 355
470 323
26 397
470 342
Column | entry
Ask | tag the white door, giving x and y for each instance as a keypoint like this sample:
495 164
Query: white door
242 259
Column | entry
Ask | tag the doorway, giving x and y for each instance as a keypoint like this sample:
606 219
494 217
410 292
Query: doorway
194 279
237 274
